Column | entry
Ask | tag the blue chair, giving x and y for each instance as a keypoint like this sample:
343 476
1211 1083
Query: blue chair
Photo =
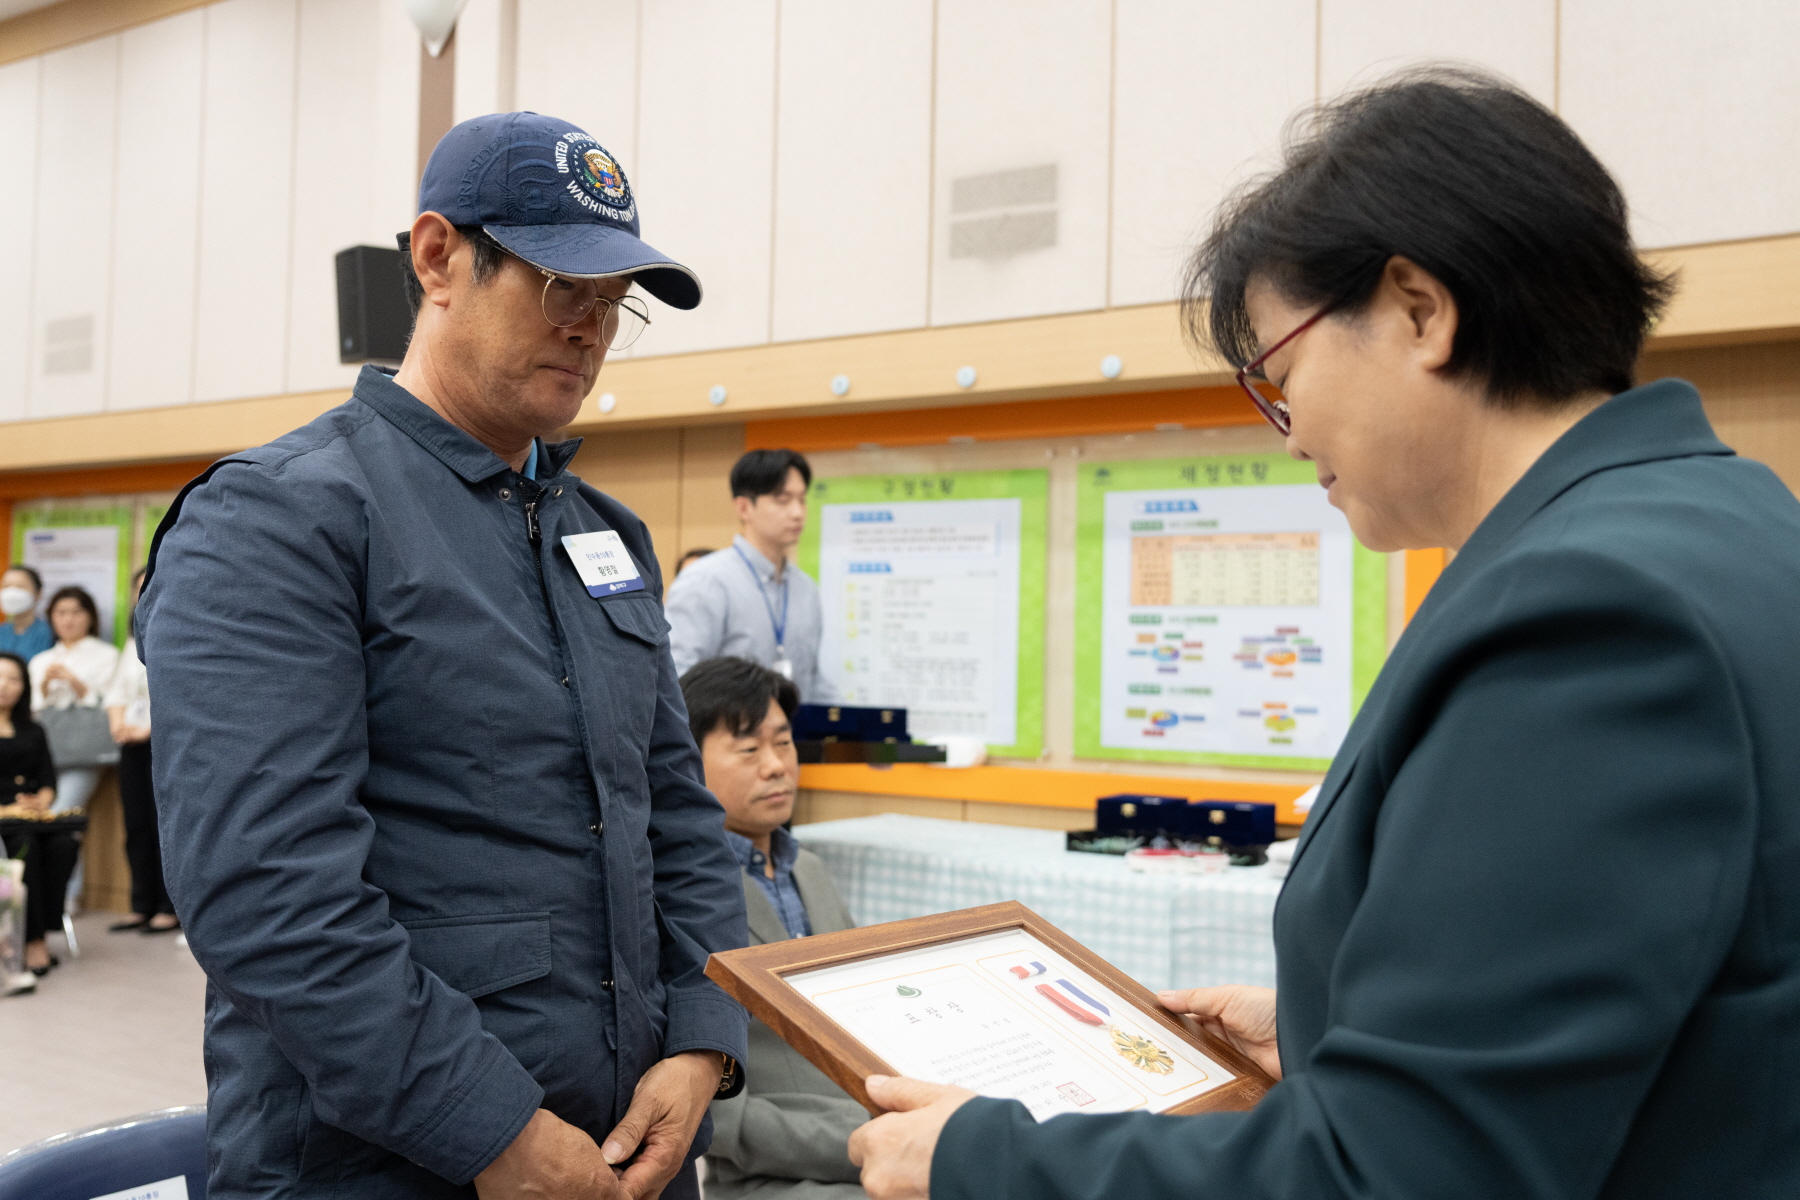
118 1156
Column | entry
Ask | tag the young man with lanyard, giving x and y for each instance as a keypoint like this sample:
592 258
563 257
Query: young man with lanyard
748 600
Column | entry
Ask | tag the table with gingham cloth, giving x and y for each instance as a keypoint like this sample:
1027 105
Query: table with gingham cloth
1165 931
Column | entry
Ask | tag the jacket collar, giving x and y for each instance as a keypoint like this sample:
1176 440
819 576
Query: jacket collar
1657 421
451 446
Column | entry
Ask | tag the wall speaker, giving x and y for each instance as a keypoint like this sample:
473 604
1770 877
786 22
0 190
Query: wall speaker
374 323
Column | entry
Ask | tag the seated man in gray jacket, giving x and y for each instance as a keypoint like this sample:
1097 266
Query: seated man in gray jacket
784 1135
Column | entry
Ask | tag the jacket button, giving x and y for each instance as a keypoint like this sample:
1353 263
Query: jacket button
606 985
596 828
506 493
556 492
565 681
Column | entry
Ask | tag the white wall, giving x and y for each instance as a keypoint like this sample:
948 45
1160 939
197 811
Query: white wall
828 169
182 188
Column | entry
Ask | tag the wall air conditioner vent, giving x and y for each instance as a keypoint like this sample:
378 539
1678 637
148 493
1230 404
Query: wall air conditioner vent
69 346
1017 213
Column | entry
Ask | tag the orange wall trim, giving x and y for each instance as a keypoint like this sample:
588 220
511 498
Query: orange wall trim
1422 570
1129 412
1044 788
100 481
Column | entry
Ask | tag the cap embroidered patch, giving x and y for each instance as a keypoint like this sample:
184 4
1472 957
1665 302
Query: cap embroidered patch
598 182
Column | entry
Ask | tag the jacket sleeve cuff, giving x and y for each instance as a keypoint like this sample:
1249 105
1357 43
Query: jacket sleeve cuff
974 1148
474 1126
709 1022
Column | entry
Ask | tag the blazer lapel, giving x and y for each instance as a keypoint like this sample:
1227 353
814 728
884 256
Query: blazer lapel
824 909
765 923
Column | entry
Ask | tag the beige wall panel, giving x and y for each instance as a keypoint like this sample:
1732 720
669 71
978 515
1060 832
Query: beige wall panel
160 70
1752 396
1028 814
246 199
706 151
1196 111
394 129
1023 88
71 289
853 197
708 519
815 805
337 179
1695 108
641 469
1362 40
18 212
601 100
486 58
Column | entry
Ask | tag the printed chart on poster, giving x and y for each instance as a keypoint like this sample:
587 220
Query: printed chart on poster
1224 613
933 594
89 548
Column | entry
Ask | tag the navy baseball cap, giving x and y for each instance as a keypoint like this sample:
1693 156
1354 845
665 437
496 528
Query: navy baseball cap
552 195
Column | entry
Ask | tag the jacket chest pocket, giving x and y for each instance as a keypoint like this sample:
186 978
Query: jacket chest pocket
630 640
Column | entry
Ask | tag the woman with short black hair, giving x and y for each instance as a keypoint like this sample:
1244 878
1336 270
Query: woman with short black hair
1540 937
27 790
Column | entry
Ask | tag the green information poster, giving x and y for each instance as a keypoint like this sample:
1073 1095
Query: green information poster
89 548
1224 614
933 594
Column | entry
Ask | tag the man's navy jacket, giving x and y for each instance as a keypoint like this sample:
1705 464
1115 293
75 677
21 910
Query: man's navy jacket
1541 937
431 813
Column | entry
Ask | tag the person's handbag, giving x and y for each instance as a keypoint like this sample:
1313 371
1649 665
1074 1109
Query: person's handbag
79 737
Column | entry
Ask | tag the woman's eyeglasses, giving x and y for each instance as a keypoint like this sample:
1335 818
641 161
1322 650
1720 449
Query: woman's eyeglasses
1266 396
568 302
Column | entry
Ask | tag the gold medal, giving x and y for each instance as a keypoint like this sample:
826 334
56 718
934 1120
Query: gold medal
1141 1052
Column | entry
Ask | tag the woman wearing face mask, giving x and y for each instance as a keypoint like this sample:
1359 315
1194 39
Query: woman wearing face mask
73 673
27 782
23 632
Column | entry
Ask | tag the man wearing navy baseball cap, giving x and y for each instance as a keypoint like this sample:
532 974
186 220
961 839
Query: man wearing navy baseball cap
435 823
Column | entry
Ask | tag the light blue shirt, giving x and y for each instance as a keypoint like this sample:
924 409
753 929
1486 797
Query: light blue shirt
730 603
782 891
36 639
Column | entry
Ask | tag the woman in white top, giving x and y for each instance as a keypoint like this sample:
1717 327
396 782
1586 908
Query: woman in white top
72 673
128 710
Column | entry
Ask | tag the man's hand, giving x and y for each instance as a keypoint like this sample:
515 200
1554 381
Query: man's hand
894 1150
1242 1017
549 1160
659 1126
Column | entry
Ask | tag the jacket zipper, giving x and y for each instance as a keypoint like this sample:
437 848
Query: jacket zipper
536 537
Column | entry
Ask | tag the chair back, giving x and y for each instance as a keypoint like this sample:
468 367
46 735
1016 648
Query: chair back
126 1159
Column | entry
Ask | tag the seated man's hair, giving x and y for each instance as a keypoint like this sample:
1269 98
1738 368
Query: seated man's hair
765 472
487 257
734 693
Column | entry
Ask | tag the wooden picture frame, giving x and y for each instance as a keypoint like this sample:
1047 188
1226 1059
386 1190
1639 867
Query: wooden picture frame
755 977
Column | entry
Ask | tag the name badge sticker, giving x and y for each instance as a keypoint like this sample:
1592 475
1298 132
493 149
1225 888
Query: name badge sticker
603 563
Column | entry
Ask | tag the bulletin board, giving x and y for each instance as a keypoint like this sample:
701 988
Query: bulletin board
932 585
1224 613
89 547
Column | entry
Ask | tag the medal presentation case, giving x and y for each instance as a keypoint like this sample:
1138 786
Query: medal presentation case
995 999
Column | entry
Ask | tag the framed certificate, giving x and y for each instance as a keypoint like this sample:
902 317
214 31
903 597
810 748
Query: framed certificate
995 999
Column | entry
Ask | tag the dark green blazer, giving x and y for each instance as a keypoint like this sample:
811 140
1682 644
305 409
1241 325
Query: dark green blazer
1542 933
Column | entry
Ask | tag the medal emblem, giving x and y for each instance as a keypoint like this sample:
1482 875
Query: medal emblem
603 173
1141 1052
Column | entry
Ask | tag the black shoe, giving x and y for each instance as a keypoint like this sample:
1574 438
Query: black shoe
150 929
40 972
128 926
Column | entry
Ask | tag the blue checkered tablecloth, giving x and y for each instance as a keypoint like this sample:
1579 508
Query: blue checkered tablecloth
1163 930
